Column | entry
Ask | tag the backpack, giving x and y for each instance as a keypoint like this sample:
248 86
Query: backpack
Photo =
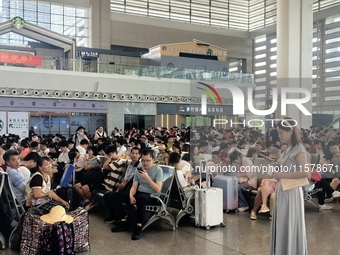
57 239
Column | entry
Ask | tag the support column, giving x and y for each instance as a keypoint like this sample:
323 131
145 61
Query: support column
100 29
294 54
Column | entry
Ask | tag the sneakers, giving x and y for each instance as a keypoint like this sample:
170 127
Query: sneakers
329 200
138 233
90 206
336 194
264 209
121 226
325 207
242 209
253 215
110 219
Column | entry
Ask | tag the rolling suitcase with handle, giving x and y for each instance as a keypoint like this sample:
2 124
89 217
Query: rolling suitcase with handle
66 188
209 207
229 185
208 202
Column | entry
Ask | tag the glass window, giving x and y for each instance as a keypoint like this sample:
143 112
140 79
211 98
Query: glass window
47 15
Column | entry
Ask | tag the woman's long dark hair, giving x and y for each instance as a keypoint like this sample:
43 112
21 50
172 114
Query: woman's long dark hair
288 124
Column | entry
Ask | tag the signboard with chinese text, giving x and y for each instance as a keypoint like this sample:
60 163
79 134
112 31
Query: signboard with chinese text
190 109
20 59
18 123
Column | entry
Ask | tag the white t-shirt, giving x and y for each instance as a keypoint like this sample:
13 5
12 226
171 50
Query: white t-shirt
81 149
25 172
181 178
121 150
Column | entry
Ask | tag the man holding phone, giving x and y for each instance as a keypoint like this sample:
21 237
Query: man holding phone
122 193
147 180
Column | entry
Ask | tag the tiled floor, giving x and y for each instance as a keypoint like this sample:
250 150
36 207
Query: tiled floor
240 236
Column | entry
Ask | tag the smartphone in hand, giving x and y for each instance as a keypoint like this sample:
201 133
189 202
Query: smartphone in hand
140 170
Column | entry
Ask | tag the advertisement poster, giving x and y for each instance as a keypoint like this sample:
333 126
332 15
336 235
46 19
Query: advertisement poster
18 123
3 126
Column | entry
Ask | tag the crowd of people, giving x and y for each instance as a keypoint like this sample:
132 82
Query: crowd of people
124 164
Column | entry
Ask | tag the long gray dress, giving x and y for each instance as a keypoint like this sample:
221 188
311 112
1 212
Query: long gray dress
288 231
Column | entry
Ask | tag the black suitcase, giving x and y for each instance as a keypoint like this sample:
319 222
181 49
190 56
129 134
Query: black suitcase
69 195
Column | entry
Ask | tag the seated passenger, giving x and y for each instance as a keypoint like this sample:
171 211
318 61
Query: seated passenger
326 189
114 165
331 153
185 167
2 162
38 189
162 156
146 181
174 160
110 197
12 159
266 188
28 165
247 179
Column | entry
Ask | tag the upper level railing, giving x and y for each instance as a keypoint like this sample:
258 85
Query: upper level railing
144 71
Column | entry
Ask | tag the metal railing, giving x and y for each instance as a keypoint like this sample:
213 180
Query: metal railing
145 71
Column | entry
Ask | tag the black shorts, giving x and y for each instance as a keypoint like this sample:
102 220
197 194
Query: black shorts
96 186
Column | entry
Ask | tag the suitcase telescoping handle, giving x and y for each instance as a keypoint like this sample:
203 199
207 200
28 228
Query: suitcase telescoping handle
203 167
74 174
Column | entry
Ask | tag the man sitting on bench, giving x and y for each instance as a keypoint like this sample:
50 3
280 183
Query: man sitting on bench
150 179
125 186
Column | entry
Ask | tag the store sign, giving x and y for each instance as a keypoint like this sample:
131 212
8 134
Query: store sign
187 109
198 109
185 49
18 22
87 54
20 59
18 123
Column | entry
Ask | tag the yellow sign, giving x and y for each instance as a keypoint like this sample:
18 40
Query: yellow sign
195 48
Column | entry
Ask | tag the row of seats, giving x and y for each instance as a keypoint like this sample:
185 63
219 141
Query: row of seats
11 209
172 195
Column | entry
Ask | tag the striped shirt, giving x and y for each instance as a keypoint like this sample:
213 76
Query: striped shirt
115 175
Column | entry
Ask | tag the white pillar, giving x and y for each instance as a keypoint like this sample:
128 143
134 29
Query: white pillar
100 27
294 53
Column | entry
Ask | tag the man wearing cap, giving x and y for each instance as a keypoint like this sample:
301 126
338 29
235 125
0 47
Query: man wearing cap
147 180
79 135
162 156
144 139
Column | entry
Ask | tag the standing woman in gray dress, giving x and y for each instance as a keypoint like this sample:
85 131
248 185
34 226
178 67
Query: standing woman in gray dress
288 232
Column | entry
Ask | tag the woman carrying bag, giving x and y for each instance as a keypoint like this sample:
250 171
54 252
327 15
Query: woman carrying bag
288 233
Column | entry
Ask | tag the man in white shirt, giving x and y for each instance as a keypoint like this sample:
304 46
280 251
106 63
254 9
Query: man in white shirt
82 147
121 149
63 156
